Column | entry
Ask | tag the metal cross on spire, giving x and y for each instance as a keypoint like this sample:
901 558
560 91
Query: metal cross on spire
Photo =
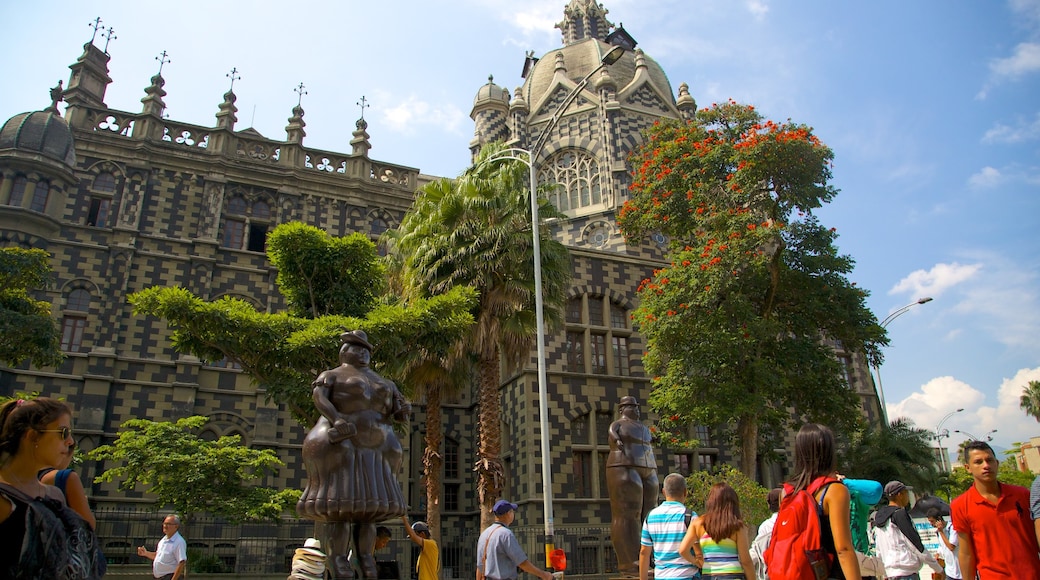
233 76
109 37
363 103
299 90
162 60
96 25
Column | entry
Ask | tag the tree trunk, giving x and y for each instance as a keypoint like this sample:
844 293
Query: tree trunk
433 460
747 428
489 450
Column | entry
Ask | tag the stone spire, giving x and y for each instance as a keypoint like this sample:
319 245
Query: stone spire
359 144
584 19
294 132
89 79
226 118
685 103
153 103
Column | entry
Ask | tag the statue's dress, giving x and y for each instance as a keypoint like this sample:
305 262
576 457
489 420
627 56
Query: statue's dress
353 479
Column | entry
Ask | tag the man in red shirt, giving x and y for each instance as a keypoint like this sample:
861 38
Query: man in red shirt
994 522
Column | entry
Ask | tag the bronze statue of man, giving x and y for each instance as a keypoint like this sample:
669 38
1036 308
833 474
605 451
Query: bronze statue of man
352 456
632 482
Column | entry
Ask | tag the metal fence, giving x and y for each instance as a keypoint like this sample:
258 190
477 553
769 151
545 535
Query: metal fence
216 545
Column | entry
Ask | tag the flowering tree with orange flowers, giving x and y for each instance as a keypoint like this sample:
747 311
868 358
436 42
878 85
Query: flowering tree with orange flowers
740 326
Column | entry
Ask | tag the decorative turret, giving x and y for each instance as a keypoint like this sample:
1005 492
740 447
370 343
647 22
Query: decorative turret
491 115
359 145
687 106
87 85
153 103
584 19
294 132
518 111
226 115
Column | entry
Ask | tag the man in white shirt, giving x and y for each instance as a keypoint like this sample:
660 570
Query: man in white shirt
947 543
171 554
765 533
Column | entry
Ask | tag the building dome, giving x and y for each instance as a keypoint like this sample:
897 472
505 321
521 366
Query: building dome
43 132
491 93
582 57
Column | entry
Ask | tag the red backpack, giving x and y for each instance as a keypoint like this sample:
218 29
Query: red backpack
794 552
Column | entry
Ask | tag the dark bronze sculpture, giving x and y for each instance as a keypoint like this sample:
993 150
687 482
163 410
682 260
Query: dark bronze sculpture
632 482
352 456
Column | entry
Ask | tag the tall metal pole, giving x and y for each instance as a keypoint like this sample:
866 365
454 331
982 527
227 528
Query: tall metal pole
531 159
877 370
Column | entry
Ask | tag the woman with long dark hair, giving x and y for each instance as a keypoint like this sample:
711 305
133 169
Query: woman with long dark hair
40 536
719 538
815 457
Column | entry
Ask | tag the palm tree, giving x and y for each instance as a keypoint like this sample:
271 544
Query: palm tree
1030 401
901 451
476 231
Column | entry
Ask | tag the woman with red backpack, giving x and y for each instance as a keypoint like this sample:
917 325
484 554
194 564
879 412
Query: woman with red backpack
812 538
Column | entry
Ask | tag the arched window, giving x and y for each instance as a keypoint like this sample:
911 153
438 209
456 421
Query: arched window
104 183
74 321
245 225
41 193
18 190
576 175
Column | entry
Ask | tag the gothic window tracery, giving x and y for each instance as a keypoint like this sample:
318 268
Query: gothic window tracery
577 180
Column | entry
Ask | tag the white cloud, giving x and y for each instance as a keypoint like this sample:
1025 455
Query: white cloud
409 115
1022 131
986 177
934 282
758 9
1025 60
941 397
1026 9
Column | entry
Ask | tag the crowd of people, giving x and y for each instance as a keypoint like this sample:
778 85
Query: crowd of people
991 531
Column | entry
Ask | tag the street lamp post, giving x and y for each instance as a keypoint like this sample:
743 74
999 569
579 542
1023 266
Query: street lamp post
877 370
941 434
530 157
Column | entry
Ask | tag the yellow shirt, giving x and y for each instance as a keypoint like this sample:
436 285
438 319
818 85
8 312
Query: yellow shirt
429 564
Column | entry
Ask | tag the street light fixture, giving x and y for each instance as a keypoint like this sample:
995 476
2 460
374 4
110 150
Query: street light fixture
877 370
941 434
986 437
530 158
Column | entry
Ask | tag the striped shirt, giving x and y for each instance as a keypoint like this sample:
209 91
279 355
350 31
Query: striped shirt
663 531
721 557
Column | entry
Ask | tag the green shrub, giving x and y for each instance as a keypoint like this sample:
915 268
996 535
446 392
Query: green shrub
753 506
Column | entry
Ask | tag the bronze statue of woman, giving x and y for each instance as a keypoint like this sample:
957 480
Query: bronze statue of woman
352 456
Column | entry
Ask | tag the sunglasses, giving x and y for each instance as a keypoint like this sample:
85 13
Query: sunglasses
65 432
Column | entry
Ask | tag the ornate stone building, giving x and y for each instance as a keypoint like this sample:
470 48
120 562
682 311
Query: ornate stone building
125 201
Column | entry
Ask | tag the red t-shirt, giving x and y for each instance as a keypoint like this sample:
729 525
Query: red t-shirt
1002 534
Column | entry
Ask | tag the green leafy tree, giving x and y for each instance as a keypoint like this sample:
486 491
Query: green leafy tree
1030 400
753 505
738 325
283 352
27 331
476 231
193 475
901 451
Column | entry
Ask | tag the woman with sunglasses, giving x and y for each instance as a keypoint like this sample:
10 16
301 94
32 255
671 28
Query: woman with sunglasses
71 486
36 526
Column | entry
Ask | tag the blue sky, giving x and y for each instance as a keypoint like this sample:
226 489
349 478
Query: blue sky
932 108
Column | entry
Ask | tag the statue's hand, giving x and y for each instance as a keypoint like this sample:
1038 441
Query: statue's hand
342 430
